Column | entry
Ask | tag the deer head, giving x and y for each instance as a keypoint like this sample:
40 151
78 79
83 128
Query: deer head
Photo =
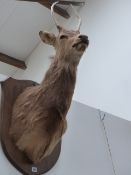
69 45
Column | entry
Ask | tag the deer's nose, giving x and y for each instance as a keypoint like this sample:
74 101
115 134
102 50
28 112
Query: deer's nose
83 38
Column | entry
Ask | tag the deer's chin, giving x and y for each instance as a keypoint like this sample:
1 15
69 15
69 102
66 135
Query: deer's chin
80 46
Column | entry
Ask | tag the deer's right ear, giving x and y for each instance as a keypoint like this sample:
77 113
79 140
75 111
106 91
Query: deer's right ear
48 38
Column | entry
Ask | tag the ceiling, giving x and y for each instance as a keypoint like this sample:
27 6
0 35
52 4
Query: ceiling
20 23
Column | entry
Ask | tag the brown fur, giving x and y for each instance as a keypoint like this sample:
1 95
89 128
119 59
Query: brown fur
39 113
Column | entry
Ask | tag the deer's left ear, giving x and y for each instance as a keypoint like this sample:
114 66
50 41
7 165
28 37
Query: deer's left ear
48 38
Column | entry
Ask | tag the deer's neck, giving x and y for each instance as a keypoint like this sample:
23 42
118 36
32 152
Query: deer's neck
59 83
61 68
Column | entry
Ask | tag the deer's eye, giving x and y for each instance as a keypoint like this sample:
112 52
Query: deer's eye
63 37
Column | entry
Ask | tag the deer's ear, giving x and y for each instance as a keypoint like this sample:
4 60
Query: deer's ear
48 38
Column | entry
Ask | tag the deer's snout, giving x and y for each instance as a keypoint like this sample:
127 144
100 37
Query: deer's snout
84 38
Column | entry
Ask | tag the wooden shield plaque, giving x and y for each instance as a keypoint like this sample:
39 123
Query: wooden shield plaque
11 88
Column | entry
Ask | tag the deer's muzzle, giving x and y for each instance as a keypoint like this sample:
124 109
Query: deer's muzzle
84 39
82 43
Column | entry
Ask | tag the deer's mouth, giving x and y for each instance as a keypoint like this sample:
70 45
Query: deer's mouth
81 45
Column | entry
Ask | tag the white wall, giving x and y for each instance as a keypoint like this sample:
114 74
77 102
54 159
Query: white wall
104 74
3 77
7 70
37 64
104 79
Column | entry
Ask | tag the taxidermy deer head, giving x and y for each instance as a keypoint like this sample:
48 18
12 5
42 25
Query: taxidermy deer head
39 113
69 44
